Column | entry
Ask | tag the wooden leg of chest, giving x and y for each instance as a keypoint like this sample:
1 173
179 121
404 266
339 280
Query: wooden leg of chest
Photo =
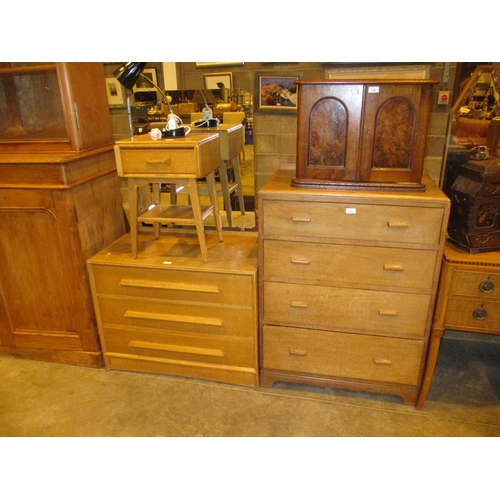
430 366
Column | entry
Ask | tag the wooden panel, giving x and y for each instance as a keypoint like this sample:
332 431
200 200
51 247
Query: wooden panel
194 348
469 283
318 263
460 314
228 289
347 310
384 223
176 316
342 355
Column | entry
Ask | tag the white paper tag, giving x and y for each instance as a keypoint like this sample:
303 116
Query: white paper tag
350 210
373 90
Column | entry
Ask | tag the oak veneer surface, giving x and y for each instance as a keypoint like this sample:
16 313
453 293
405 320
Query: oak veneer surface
347 284
169 312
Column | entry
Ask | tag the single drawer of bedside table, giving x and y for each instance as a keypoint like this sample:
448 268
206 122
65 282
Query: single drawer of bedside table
192 348
476 315
214 288
346 309
480 285
180 317
160 162
395 224
347 264
342 355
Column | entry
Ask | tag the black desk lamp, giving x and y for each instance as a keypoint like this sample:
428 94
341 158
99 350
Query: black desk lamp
128 74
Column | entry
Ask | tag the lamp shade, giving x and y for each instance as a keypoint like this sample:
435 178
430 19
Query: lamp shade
128 73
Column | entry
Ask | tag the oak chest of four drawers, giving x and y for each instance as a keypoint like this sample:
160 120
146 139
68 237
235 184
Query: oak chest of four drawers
347 285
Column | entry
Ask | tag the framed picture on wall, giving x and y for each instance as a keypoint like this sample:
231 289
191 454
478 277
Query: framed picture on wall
143 84
218 80
114 92
278 93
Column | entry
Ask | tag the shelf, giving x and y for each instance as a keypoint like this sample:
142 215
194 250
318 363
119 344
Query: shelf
178 214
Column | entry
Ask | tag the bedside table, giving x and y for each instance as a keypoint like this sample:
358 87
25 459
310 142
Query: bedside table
144 161
468 300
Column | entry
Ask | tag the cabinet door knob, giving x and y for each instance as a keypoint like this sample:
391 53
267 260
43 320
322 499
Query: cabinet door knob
397 224
480 313
486 286
393 267
298 352
301 219
298 260
379 361
300 305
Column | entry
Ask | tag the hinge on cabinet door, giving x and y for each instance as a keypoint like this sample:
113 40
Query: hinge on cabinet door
76 116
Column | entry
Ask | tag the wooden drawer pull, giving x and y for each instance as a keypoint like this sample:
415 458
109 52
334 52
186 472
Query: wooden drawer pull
393 267
301 219
387 312
299 305
174 317
379 361
165 161
177 348
170 286
298 352
302 262
397 224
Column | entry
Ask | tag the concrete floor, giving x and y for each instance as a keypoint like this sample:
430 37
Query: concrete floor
46 399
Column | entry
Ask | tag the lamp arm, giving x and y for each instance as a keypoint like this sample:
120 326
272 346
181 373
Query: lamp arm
159 90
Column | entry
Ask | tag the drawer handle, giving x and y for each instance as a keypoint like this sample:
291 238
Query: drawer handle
301 262
299 305
381 361
298 352
170 286
176 348
397 224
387 312
393 267
486 286
301 219
174 317
165 161
480 313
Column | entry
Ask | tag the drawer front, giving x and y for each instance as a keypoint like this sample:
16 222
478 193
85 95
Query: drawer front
212 288
476 315
160 162
346 264
342 355
403 225
480 285
177 316
346 310
191 348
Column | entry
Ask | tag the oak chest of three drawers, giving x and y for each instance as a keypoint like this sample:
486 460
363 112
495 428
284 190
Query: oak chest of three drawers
169 312
347 284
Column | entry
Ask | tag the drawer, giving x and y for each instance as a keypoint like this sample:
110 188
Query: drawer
177 316
191 348
346 309
346 264
395 224
480 285
209 288
476 315
342 355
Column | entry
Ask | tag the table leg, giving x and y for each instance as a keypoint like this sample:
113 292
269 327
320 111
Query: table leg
212 191
224 184
198 218
430 366
237 176
157 201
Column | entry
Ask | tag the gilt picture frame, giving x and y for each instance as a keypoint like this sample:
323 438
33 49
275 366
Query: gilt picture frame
277 93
